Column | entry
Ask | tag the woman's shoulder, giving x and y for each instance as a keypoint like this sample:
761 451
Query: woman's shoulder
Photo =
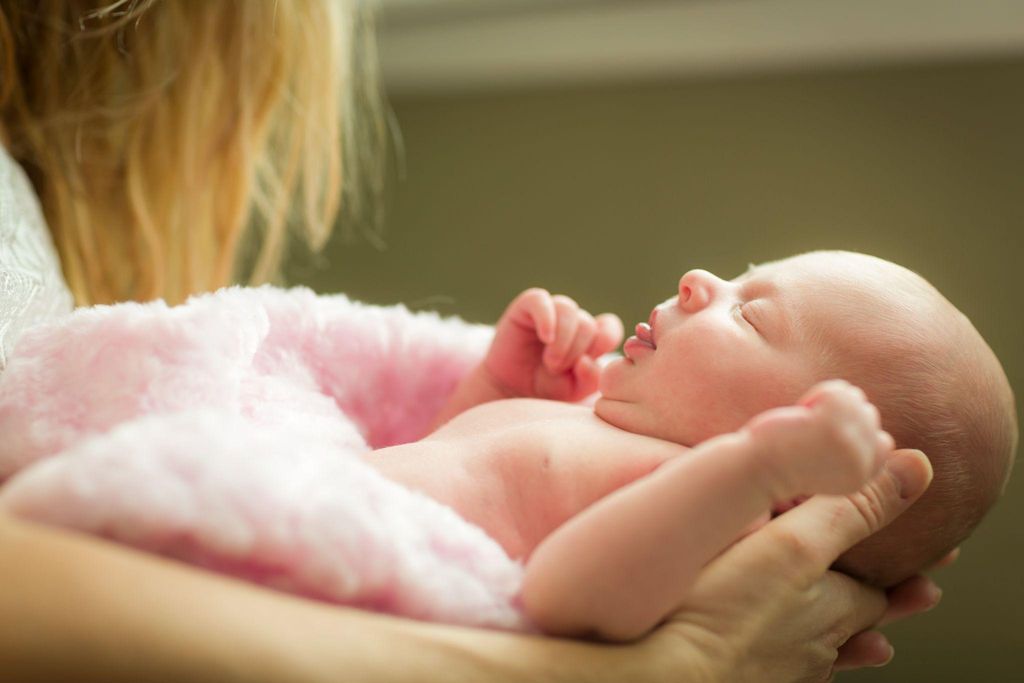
32 287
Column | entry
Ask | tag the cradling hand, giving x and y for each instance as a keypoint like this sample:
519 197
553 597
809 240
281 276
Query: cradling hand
770 610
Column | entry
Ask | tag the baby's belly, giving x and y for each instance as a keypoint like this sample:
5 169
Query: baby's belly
520 468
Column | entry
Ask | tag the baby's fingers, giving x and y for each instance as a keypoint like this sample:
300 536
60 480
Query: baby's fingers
586 330
608 337
535 309
567 321
587 375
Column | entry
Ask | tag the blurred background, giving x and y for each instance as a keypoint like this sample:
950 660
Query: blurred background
602 148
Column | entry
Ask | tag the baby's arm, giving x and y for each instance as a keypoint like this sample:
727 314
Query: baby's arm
619 567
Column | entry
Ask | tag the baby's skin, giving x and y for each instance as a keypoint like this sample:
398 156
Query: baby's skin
614 526
716 415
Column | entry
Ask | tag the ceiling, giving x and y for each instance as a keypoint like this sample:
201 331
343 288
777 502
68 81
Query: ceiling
431 46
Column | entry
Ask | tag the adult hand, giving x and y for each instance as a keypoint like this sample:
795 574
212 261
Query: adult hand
913 596
769 610
766 610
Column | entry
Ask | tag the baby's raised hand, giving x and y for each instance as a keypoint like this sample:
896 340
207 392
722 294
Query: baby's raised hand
546 347
830 442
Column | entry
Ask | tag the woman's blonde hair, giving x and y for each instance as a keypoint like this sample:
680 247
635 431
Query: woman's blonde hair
160 133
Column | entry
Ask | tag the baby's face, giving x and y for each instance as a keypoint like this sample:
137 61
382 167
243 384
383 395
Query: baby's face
721 351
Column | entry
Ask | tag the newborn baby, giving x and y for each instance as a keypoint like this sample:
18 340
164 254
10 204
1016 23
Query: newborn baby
719 412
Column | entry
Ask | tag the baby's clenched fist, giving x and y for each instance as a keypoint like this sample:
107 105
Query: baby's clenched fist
830 442
546 346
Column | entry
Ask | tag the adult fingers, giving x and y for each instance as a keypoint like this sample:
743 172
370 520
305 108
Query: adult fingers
869 648
913 596
811 536
855 606
948 559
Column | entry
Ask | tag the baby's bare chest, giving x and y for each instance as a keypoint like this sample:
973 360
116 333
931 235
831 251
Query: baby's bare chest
520 468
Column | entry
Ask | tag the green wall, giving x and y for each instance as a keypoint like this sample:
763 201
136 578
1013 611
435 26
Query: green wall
610 194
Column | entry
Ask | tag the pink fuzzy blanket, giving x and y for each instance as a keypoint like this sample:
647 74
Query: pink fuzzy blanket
225 433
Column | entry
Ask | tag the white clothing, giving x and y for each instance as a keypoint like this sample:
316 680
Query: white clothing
32 288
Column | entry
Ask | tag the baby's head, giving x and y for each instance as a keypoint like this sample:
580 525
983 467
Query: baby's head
720 352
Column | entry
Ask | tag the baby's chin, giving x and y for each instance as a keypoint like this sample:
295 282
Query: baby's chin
624 415
634 418
609 410
611 365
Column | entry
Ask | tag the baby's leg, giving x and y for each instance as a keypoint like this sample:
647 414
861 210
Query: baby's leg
619 567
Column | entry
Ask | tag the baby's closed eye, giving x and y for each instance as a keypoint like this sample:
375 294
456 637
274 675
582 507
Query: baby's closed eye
747 315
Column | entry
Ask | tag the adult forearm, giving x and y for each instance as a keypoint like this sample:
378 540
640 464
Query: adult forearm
75 608
79 609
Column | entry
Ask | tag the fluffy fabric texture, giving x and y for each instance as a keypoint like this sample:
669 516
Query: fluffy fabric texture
227 433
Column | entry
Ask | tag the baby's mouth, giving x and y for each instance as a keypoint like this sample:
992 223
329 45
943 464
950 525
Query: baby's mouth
645 334
645 331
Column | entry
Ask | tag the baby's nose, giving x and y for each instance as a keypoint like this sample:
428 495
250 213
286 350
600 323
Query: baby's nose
696 290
